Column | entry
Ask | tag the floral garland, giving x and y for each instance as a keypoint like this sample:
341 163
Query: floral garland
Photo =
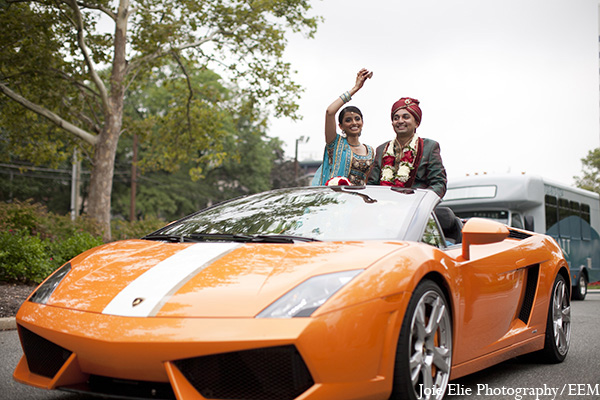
398 176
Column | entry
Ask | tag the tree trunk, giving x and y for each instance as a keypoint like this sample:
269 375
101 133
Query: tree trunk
102 176
106 149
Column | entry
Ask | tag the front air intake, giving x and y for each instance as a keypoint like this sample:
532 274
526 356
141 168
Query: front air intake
43 357
258 374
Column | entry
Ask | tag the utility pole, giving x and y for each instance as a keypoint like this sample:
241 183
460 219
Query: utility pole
134 160
75 185
301 139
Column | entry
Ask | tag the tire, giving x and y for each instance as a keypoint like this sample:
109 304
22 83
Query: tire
558 325
424 352
580 289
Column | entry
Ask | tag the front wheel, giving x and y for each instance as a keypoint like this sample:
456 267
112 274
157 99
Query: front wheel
558 325
424 353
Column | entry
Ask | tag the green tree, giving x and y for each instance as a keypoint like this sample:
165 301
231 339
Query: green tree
51 54
591 172
169 186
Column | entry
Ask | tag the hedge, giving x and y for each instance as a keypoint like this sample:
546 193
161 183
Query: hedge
35 242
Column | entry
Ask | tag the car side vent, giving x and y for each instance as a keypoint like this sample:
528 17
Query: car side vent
513 234
43 357
530 289
259 374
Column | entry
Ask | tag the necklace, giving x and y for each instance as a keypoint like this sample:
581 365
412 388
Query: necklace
355 145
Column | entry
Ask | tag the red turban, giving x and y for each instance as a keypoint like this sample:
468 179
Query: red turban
411 105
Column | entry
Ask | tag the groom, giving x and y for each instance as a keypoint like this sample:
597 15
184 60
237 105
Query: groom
408 160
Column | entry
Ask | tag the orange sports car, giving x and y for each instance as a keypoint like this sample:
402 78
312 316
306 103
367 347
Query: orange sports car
303 293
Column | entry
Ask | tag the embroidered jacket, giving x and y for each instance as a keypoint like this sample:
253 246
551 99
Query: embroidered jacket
431 173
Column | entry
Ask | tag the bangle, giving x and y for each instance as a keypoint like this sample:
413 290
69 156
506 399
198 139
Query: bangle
346 97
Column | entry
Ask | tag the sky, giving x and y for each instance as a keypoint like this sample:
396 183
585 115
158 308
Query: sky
506 86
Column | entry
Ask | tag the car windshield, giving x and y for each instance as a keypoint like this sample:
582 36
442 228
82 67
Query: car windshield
320 213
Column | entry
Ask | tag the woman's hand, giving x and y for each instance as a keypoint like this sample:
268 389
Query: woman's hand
361 77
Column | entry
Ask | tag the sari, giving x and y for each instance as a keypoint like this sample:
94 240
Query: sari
339 160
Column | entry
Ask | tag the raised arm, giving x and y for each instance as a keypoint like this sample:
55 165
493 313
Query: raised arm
330 123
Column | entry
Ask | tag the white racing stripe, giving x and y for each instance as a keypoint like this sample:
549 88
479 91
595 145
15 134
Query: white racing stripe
154 285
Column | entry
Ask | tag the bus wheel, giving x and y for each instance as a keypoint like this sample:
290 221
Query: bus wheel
580 290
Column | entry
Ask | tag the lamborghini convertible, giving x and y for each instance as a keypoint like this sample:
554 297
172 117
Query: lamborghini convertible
304 293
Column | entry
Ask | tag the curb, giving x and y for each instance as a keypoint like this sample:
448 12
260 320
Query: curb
7 324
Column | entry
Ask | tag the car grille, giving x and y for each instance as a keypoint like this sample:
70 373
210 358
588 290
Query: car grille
267 373
43 357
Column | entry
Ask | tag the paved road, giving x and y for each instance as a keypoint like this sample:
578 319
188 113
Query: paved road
577 378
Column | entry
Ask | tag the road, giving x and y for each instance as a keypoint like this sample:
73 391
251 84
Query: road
577 378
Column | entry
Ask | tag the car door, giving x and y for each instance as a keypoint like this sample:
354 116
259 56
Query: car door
493 283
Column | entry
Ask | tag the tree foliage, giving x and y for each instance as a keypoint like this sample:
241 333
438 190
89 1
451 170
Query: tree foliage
76 78
169 184
591 172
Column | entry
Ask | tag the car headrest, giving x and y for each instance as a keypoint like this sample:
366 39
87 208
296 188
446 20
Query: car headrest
446 217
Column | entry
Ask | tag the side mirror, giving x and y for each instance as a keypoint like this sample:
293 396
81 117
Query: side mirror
481 231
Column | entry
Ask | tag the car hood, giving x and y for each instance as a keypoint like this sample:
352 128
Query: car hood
141 278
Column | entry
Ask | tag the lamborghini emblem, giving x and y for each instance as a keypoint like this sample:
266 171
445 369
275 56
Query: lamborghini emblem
137 301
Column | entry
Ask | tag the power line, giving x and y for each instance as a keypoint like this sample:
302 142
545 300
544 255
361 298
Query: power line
32 168
30 175
50 170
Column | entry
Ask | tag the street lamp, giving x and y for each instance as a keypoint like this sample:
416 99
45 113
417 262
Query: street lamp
301 139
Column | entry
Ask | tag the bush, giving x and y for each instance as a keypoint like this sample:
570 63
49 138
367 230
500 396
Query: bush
23 258
34 219
35 242
63 250
21 216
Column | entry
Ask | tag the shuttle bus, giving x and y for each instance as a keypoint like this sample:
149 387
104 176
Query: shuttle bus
570 215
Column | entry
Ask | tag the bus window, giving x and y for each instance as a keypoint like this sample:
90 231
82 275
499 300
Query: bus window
564 210
551 211
516 221
586 231
575 220
497 215
471 192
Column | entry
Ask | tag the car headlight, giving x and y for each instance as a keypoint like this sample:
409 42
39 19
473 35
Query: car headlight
305 298
45 290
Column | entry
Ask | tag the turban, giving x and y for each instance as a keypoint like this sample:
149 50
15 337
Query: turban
411 105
